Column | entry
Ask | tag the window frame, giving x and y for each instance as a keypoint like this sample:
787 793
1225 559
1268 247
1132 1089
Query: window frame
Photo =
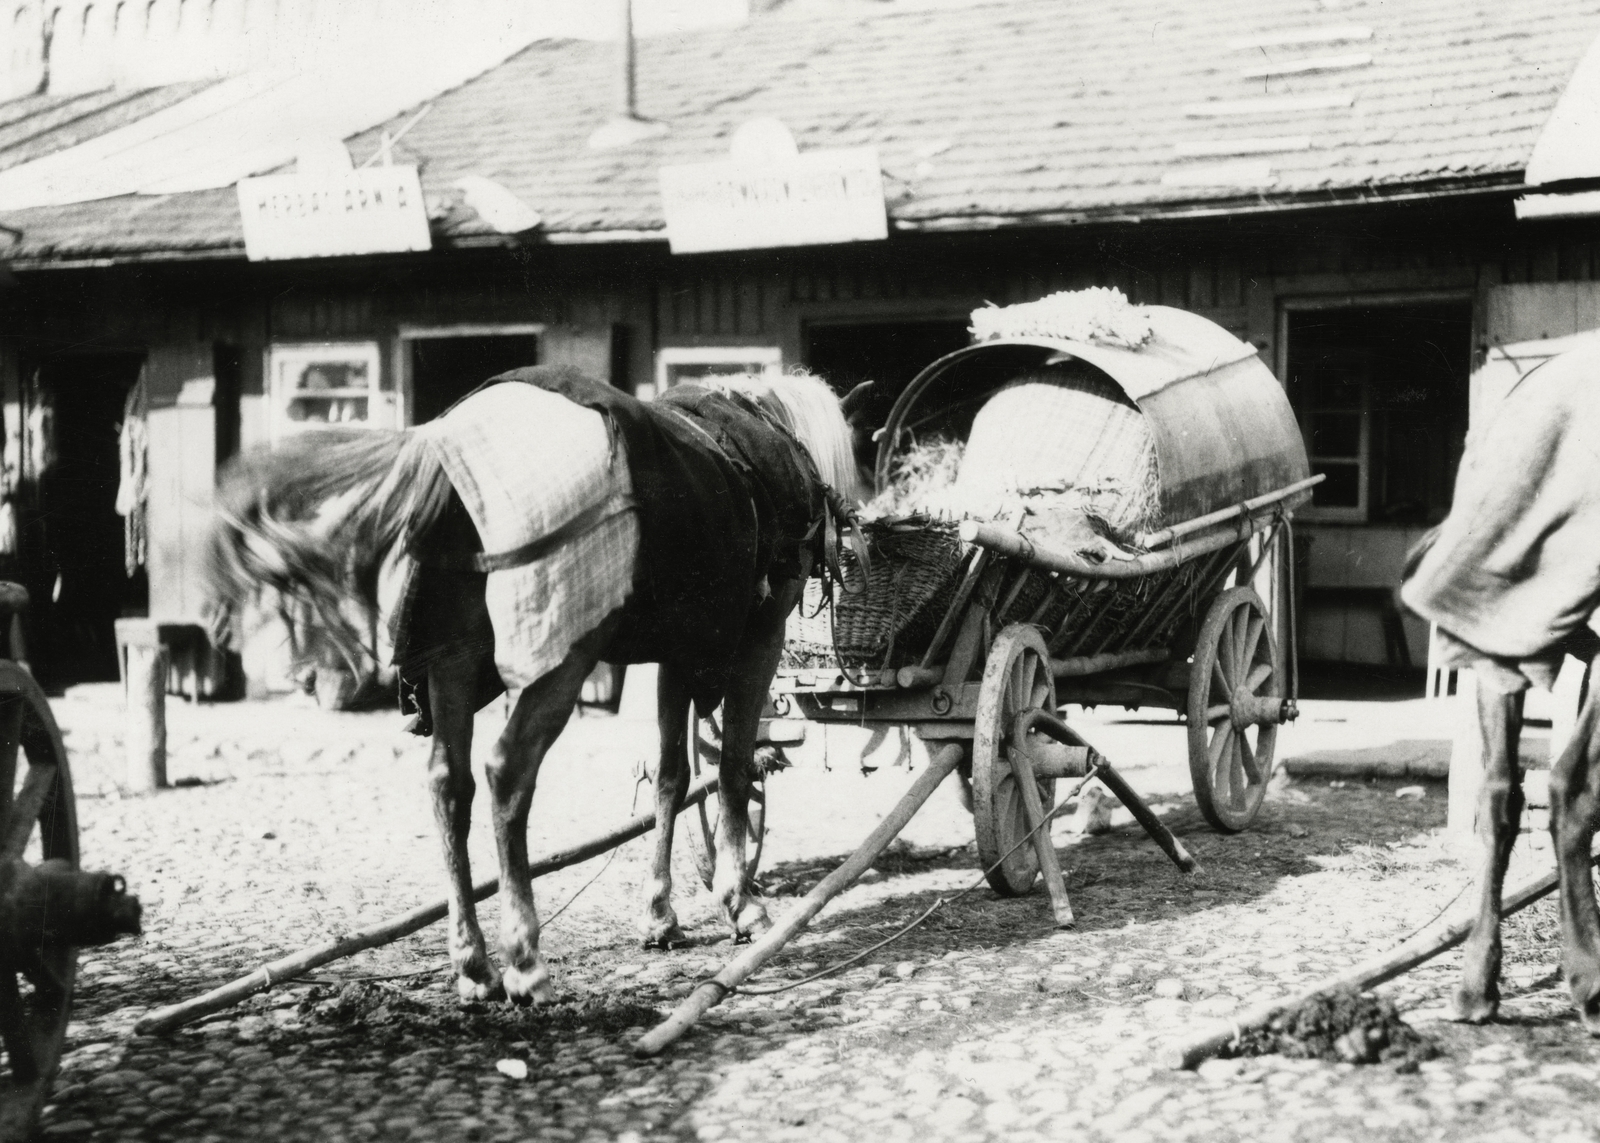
766 358
286 355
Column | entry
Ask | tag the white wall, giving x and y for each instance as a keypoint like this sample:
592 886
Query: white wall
94 44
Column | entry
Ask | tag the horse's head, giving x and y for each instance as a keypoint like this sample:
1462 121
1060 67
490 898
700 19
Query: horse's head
309 521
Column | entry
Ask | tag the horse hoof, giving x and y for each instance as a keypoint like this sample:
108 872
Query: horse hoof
471 991
1472 1008
665 938
753 922
529 987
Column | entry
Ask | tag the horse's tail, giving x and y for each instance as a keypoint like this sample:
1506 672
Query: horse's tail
315 517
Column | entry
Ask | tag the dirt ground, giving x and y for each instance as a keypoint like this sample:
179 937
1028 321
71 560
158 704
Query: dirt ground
288 827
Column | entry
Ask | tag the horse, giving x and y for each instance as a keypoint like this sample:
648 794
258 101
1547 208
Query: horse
1512 579
625 547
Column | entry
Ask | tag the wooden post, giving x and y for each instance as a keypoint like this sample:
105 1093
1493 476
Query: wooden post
145 727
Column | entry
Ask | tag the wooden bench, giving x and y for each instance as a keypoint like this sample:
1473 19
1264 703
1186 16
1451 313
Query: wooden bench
195 669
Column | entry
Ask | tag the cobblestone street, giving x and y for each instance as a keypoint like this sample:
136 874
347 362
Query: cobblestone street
289 826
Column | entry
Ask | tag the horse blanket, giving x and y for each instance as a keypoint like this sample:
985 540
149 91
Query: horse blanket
677 512
1513 573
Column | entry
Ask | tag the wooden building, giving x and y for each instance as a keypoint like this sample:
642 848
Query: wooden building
1339 189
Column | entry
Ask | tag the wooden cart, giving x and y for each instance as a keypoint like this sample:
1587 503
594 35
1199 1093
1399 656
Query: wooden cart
1186 625
48 907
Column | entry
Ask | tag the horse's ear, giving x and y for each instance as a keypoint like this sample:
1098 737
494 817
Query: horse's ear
858 399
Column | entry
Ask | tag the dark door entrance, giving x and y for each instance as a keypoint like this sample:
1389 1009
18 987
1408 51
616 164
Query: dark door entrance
890 353
73 551
446 369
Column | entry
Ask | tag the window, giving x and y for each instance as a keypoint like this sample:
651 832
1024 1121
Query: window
679 364
1381 393
329 384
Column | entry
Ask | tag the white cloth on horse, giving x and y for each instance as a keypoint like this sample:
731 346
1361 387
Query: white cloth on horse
526 462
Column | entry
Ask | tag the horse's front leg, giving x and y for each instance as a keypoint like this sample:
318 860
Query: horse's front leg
659 927
1574 816
537 719
450 782
1498 816
746 694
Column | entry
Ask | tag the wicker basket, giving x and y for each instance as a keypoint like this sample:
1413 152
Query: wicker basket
886 617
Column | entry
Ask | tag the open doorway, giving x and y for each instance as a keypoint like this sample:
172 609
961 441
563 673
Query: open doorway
73 546
1380 390
1381 393
446 366
890 353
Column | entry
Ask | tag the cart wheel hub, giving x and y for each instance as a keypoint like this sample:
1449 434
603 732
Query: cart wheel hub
1249 709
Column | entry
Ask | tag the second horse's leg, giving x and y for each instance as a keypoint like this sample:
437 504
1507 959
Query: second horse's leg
540 714
741 719
1498 816
1574 815
659 927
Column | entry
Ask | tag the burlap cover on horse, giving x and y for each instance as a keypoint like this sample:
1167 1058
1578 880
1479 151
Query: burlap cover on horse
526 464
1514 571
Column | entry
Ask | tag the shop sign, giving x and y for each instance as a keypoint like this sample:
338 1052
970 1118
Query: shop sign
375 210
811 199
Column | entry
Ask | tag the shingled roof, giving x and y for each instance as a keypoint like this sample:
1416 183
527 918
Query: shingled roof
1015 113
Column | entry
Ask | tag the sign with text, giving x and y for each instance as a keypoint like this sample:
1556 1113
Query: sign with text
810 200
376 210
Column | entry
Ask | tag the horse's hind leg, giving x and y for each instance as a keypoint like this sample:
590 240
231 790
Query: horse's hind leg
1574 816
540 714
659 927
450 782
1499 813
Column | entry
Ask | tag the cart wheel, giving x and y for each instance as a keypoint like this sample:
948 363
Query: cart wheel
1017 678
38 822
1234 662
705 751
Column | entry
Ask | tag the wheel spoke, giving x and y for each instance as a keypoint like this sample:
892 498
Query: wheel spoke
1252 639
1222 688
1221 750
1247 761
25 810
1218 713
10 741
1225 653
1259 674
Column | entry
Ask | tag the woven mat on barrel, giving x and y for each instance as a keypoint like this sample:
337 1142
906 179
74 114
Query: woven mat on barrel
1070 432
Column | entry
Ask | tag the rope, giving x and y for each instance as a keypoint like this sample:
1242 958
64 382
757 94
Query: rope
839 966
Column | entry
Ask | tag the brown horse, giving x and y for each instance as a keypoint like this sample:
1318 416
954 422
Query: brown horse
1512 578
544 524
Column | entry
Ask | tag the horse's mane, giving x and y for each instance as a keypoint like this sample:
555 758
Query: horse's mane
807 406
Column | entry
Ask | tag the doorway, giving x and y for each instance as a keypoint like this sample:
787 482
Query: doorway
890 353
1381 393
445 367
73 559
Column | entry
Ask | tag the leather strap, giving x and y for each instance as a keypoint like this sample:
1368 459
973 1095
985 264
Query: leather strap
580 525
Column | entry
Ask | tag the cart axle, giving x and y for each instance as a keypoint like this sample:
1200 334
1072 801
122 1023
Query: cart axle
55 904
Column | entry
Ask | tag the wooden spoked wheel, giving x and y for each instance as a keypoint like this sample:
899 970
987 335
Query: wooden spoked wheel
38 822
1234 677
705 754
1017 678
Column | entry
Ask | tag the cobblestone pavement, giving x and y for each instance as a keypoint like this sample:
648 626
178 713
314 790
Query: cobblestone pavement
289 826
